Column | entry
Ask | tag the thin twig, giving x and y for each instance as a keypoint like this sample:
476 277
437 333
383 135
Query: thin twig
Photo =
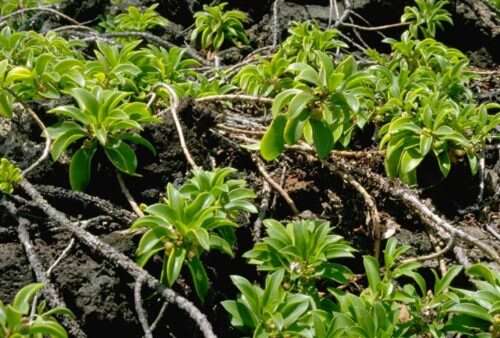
49 290
374 28
234 97
264 206
39 9
158 317
46 148
434 255
101 204
275 26
174 107
414 203
372 211
139 308
120 260
128 195
262 169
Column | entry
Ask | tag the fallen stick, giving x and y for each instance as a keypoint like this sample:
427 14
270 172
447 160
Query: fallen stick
101 204
139 308
120 260
49 291
174 107
414 203
276 186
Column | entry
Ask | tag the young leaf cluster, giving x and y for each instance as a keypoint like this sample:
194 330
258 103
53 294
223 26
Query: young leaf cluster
198 217
102 119
16 321
135 20
214 26
10 176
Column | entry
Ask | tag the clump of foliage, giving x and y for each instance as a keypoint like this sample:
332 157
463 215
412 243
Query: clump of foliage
324 106
306 39
396 302
426 17
10 176
305 250
102 119
215 26
135 19
16 321
197 217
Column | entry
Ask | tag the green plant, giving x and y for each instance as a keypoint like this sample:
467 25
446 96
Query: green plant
267 78
307 39
16 321
136 19
214 26
439 127
272 311
104 119
192 220
10 176
325 105
118 67
478 311
305 250
170 66
426 17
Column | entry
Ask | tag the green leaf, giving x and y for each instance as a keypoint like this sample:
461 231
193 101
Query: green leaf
443 283
48 328
64 140
323 138
174 264
139 140
444 162
372 272
86 101
199 276
80 168
18 73
471 310
5 105
272 144
23 298
410 160
240 314
425 144
122 156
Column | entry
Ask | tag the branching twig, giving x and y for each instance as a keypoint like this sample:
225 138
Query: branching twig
99 203
275 25
374 28
139 308
262 169
119 259
434 255
264 206
128 195
234 97
415 204
49 290
39 9
372 211
46 148
174 107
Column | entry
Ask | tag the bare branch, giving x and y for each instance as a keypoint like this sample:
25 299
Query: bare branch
174 107
139 308
128 195
234 97
262 169
120 260
39 9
